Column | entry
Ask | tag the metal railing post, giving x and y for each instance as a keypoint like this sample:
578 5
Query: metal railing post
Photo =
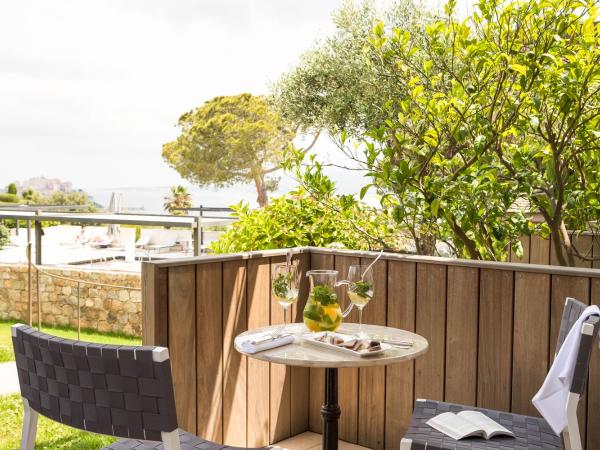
38 241
78 313
196 232
29 297
201 229
39 302
38 271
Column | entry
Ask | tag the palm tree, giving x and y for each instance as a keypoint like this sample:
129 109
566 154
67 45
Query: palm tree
179 198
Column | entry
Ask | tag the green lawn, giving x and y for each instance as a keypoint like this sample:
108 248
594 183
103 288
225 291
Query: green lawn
50 434
6 352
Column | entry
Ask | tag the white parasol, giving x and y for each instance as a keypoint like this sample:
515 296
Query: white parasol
114 206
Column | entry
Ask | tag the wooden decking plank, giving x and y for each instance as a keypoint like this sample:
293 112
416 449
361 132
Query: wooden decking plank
182 342
431 324
234 365
531 338
209 353
259 308
461 331
494 365
400 377
348 378
371 388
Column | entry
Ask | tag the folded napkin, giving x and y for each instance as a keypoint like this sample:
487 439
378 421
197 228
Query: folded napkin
259 343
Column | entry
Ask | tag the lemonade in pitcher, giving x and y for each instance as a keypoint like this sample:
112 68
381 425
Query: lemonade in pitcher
322 311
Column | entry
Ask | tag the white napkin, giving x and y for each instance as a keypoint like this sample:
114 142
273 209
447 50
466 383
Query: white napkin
250 346
551 399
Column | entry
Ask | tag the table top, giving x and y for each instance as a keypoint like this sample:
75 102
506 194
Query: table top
303 354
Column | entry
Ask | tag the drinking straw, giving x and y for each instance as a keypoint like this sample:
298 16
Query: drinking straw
362 278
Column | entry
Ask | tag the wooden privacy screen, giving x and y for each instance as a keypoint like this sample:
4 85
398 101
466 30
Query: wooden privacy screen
492 329
537 250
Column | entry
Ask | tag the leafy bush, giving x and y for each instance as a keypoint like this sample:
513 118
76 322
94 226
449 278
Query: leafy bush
64 199
299 219
12 189
9 198
3 236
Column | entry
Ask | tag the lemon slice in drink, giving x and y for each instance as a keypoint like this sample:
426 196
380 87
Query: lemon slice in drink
332 312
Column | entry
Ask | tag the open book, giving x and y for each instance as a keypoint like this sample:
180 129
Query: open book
467 424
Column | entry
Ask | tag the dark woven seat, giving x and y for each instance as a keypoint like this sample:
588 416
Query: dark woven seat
531 433
121 391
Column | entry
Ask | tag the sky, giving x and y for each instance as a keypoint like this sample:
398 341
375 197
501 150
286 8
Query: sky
90 90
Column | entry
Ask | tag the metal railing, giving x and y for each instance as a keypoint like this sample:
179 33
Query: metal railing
77 281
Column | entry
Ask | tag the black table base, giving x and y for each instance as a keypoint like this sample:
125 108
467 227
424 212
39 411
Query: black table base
330 411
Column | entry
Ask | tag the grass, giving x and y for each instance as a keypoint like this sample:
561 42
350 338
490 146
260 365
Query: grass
6 351
50 434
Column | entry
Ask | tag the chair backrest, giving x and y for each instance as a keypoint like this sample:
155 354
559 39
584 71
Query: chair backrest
121 391
571 312
589 331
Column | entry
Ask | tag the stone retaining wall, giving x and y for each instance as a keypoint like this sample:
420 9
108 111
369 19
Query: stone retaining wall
102 308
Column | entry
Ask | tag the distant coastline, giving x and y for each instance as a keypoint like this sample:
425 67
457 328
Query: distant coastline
150 199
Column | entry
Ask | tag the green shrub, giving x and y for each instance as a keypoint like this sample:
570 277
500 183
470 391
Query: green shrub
299 219
9 198
3 236
12 189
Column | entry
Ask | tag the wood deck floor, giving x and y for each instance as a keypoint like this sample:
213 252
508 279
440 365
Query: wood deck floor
312 441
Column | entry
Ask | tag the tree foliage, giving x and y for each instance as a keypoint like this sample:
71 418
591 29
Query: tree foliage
179 197
74 198
335 87
9 198
501 106
228 140
301 219
12 189
4 236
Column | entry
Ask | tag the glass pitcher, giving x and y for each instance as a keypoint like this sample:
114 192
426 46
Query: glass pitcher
322 311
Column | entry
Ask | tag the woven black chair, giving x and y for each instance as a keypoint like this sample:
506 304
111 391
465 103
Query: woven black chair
531 433
120 391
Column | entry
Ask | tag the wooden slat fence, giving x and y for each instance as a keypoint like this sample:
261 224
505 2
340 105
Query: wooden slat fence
492 329
538 250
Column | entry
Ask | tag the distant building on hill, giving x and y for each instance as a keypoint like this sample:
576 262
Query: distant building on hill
45 186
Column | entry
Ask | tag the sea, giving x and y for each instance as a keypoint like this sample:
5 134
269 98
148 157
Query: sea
150 199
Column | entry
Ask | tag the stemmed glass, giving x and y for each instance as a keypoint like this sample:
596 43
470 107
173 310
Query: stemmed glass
285 287
360 289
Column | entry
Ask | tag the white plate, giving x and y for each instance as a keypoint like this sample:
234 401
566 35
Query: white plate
312 339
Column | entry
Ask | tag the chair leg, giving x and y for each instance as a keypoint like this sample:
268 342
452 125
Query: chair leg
571 433
566 440
171 440
405 444
30 420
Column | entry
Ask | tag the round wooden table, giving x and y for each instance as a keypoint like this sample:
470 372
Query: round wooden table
303 354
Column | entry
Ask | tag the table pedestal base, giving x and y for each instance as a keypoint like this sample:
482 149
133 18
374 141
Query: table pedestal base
330 411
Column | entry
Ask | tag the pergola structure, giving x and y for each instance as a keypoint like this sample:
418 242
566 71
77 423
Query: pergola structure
36 217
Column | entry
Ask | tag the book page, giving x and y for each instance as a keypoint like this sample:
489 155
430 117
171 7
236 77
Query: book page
490 427
454 426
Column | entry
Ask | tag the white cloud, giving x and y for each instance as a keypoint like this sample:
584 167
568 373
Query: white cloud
91 90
